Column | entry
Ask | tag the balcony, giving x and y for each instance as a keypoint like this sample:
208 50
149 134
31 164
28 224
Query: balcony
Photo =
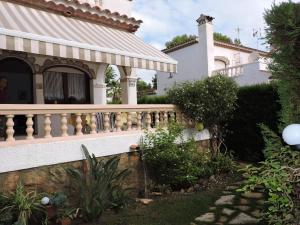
247 74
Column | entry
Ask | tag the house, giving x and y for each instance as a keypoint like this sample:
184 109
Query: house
53 56
204 57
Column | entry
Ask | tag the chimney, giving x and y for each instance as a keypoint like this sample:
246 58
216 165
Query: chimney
206 44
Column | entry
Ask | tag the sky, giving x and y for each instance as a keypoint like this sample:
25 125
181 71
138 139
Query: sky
164 19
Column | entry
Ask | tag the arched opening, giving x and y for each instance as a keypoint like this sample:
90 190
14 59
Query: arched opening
219 64
66 85
16 80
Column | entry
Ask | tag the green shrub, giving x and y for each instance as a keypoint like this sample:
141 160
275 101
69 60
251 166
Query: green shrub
222 163
154 99
276 175
96 186
210 101
169 162
175 162
20 207
255 105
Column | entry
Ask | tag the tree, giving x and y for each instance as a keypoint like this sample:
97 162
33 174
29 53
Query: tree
112 84
142 88
180 39
222 38
210 101
283 33
237 41
154 82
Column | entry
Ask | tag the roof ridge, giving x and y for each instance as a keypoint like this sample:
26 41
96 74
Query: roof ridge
191 42
84 11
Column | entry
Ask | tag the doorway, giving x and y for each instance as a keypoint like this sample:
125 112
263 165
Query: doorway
16 79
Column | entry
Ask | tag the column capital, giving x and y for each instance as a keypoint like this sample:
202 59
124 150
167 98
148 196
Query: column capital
99 85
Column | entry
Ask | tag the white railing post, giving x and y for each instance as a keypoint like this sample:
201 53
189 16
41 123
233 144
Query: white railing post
47 125
139 120
148 120
29 129
156 119
10 128
93 123
64 125
78 124
118 122
106 122
129 121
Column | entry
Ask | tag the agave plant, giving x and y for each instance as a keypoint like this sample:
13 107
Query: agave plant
96 185
21 205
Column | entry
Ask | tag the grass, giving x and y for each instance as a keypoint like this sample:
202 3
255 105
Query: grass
172 210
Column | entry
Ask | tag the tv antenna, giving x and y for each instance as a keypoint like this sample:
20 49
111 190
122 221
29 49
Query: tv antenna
238 31
257 34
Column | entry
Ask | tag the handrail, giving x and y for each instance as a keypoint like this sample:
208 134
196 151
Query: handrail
38 109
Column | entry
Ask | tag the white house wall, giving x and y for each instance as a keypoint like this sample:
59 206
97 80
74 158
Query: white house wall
189 65
252 75
230 54
56 151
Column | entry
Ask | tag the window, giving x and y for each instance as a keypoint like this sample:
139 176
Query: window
66 88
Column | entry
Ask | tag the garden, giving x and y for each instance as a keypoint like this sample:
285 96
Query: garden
245 174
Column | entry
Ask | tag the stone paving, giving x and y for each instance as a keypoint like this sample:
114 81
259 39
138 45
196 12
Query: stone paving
234 208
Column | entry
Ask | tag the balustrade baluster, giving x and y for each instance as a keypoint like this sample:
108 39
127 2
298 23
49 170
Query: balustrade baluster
178 117
93 123
106 122
64 125
139 120
165 118
78 124
129 121
157 119
10 128
29 129
47 126
148 120
172 116
118 121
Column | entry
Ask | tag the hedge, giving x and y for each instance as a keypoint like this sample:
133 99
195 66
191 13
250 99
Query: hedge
256 104
154 99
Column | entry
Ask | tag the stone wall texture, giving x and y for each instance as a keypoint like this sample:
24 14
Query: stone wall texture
50 179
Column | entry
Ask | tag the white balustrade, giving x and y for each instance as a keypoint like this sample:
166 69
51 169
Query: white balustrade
233 71
83 120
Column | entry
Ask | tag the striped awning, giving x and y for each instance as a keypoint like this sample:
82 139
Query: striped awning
40 32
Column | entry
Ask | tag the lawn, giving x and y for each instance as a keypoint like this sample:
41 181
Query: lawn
182 209
172 210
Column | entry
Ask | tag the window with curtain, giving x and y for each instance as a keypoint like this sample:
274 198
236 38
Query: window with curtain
66 88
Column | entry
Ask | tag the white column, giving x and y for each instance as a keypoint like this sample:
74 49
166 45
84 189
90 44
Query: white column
128 85
38 90
38 87
99 86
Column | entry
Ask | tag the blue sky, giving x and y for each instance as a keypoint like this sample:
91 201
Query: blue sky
164 19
